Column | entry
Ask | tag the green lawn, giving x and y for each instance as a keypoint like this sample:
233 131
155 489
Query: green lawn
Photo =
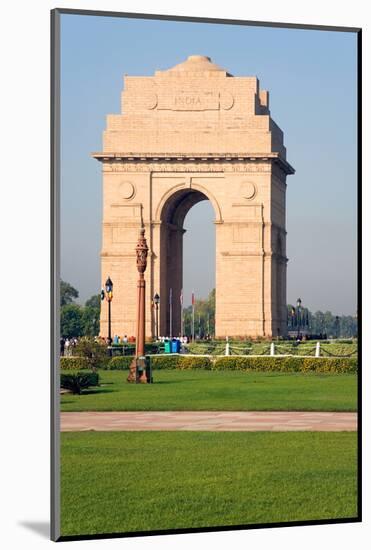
129 481
219 390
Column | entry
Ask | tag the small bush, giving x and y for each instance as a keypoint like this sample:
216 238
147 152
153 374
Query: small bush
79 381
288 364
94 352
74 363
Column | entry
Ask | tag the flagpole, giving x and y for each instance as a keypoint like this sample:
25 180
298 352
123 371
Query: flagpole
193 317
181 313
171 313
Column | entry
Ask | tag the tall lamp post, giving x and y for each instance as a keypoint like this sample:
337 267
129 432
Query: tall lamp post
156 301
299 318
141 254
298 314
302 317
109 296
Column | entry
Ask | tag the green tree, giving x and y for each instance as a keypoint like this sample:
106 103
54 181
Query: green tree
93 301
91 315
204 317
90 321
95 352
67 293
71 321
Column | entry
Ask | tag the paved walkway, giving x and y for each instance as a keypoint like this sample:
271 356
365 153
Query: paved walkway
218 421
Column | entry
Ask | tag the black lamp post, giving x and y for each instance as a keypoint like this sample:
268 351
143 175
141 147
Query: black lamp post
299 318
109 296
298 314
156 301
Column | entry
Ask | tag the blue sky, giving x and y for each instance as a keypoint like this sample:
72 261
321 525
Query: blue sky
311 77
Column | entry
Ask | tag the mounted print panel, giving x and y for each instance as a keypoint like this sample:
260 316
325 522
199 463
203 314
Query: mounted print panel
206 327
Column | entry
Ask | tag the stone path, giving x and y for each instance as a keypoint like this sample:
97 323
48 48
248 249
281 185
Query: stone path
218 421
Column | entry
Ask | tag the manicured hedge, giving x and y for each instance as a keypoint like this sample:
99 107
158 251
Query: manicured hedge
263 363
181 362
119 363
288 364
169 361
74 363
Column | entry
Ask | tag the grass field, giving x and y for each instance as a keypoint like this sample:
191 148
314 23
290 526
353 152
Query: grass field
228 391
129 481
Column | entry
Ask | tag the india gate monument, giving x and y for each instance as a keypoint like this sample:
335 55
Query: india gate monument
191 133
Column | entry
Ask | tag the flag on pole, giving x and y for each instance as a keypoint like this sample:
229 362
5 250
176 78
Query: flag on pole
171 312
193 316
181 313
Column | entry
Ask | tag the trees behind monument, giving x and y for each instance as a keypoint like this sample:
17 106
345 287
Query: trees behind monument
78 320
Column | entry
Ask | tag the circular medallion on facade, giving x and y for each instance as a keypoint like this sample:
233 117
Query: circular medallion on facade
226 100
150 101
127 190
248 190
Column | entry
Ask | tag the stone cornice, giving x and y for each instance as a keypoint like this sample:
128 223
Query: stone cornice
195 157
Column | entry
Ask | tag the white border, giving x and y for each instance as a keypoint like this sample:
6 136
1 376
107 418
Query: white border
25 269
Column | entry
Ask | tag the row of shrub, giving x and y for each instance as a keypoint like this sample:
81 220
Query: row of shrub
288 364
263 363
281 348
75 363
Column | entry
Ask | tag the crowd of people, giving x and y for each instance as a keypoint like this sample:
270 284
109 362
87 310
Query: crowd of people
68 345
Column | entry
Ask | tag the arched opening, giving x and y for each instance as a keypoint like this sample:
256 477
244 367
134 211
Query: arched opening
199 269
172 271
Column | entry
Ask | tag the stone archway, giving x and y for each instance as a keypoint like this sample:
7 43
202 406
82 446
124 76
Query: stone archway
173 212
186 134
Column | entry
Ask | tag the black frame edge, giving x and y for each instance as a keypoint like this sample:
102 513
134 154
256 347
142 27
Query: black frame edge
197 19
359 267
54 273
227 528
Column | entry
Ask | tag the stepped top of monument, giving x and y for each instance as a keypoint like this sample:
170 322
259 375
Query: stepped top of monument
194 64
193 109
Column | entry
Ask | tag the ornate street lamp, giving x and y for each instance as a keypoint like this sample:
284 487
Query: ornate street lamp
141 251
299 318
298 314
109 296
156 301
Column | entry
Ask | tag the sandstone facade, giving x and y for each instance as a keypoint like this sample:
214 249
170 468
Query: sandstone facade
187 134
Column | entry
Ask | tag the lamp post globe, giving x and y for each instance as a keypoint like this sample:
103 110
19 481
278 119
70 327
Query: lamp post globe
298 316
156 301
109 285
